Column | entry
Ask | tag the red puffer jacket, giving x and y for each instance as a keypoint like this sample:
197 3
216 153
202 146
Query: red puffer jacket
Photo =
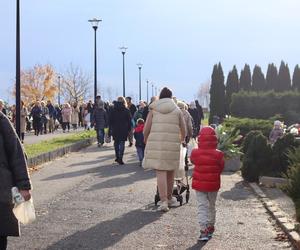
208 161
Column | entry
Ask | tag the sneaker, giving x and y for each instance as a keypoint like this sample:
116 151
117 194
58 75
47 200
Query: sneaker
172 202
203 235
211 230
164 207
121 162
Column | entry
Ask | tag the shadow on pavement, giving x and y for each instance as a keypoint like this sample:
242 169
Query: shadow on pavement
108 233
197 246
237 193
134 172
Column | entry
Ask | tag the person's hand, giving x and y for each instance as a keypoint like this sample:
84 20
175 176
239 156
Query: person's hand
26 194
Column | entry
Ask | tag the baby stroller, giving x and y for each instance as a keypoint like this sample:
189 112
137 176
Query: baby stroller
179 188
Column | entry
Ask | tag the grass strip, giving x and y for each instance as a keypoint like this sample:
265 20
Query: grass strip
42 147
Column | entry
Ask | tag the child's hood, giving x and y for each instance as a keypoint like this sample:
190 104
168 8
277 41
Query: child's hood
207 138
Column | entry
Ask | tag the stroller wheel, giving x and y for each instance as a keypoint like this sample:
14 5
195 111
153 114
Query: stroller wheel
156 199
180 198
187 197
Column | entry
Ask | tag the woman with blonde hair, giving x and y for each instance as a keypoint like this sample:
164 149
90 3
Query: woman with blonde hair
120 126
164 133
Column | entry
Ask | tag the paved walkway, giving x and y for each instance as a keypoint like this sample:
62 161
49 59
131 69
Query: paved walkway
30 138
84 201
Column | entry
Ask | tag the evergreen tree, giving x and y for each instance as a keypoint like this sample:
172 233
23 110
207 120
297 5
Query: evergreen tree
271 77
258 79
296 78
245 78
217 93
284 78
232 86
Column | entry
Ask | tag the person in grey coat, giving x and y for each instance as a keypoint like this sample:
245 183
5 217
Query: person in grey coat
100 121
13 172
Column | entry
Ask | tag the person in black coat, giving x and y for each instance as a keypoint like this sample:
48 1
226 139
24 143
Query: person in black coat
36 114
200 110
132 108
100 121
196 119
13 172
120 126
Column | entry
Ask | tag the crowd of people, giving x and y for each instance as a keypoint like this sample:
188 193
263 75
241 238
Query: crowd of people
160 129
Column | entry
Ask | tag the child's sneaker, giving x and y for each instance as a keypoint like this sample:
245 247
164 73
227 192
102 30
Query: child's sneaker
203 235
211 230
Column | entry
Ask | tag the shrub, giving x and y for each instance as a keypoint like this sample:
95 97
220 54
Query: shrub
279 154
293 176
256 159
263 105
246 125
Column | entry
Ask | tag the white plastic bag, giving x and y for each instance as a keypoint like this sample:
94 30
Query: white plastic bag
179 174
191 145
25 212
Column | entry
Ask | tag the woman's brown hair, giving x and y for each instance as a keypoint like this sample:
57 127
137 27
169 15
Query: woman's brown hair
165 93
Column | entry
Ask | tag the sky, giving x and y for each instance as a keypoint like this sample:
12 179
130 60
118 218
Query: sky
177 41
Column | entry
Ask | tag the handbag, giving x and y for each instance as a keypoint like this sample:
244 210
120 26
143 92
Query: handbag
179 174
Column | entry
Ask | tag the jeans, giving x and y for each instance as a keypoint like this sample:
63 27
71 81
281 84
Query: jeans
206 208
140 152
119 149
100 135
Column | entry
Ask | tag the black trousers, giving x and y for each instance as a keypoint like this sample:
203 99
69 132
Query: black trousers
3 242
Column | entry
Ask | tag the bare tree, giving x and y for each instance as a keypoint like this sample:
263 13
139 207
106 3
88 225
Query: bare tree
76 84
203 94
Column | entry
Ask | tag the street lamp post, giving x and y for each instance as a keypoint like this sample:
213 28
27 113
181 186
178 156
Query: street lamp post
140 80
152 89
95 23
155 91
123 50
59 90
147 91
18 72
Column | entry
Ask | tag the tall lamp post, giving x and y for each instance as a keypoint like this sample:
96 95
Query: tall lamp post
147 91
59 90
18 72
123 50
152 89
95 23
140 80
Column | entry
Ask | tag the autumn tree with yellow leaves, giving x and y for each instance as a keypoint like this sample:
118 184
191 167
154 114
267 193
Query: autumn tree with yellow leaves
38 83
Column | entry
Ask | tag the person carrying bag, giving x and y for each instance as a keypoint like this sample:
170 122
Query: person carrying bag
13 173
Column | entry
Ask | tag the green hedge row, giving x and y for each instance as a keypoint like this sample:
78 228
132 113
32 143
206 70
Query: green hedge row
264 105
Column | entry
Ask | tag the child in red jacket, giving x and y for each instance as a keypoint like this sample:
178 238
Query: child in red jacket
209 164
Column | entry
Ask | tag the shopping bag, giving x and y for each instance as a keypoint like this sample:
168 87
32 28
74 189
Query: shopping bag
191 145
25 212
179 173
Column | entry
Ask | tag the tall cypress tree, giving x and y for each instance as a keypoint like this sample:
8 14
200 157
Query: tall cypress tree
232 86
245 78
217 93
284 78
271 77
296 78
258 79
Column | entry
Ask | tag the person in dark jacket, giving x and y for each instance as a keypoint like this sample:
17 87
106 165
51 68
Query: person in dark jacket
196 119
132 108
120 126
139 139
200 110
209 164
52 115
36 114
100 121
13 172
2 107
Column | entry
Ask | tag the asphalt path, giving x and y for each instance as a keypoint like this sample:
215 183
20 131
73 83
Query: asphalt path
85 201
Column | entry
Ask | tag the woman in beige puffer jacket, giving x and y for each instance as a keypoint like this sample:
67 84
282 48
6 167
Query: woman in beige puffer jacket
164 132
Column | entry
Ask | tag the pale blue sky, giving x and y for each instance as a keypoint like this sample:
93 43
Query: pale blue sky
178 41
